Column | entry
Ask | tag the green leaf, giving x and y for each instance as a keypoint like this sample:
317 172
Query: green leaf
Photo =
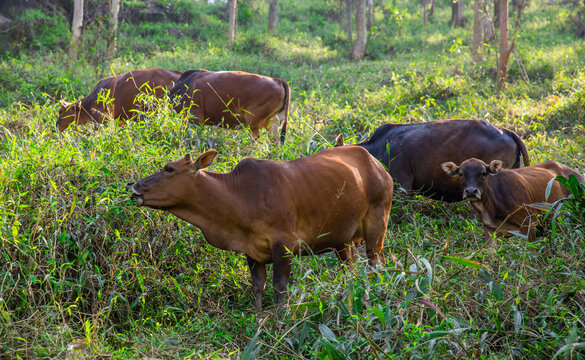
466 262
252 350
327 333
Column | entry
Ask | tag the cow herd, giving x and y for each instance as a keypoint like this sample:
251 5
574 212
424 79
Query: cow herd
231 99
332 199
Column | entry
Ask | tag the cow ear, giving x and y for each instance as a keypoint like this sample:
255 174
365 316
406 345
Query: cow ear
450 168
205 159
339 141
495 166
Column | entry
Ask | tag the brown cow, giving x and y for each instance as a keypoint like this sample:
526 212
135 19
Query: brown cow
265 208
121 91
413 153
502 197
234 99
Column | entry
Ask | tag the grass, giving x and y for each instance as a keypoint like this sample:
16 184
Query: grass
83 271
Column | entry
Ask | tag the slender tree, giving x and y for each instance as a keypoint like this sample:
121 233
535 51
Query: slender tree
487 24
359 49
457 16
273 15
370 13
425 5
76 27
114 11
505 48
348 22
496 13
233 12
477 42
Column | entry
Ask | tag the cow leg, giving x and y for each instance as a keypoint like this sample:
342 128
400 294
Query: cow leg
258 272
281 268
345 254
492 244
376 223
274 135
255 133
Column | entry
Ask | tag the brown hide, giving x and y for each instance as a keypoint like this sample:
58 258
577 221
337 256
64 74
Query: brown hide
122 90
502 197
413 153
322 202
234 99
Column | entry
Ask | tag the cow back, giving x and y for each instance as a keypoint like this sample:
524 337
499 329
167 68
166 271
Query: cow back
413 153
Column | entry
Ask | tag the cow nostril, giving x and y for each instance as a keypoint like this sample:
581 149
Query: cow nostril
471 192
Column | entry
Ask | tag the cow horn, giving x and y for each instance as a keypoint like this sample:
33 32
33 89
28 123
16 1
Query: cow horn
65 103
187 157
339 141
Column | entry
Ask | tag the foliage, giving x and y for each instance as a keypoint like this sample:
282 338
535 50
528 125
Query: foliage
84 272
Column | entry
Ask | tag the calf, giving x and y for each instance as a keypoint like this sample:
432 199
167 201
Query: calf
121 91
502 197
265 208
413 153
234 99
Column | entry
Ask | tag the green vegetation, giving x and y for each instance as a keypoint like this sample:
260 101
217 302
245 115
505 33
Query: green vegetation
85 271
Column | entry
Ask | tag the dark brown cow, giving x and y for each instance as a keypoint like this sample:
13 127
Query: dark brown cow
121 91
413 153
234 99
325 201
502 197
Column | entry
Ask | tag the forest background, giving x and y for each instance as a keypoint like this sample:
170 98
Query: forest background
85 273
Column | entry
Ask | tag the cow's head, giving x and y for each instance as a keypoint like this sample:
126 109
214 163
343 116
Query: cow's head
473 174
72 112
171 186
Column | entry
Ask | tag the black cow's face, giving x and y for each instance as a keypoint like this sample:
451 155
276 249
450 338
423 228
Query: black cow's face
473 174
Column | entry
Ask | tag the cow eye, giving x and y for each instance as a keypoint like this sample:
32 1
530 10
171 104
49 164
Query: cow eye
484 173
168 169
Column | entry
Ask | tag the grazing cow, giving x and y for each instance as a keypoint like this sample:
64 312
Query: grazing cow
265 208
234 99
502 197
413 153
121 91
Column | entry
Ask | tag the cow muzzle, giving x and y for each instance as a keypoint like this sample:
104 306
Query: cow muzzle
472 193
136 195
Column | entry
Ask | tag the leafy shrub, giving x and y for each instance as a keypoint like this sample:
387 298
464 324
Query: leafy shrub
35 30
570 211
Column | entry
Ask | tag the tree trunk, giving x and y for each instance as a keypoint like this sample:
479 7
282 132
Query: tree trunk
114 11
432 10
505 48
348 22
457 17
359 49
272 15
425 12
233 11
476 48
496 14
370 13
486 23
76 27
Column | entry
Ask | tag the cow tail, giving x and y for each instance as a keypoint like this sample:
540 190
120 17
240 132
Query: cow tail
522 148
285 107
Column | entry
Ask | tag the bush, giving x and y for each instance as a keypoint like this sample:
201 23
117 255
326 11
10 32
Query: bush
36 30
